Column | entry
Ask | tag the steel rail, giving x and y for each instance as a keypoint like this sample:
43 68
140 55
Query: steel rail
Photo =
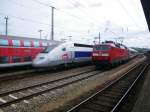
100 91
129 89
41 84
50 89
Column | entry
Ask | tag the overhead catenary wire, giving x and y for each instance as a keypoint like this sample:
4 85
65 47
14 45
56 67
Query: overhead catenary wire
27 20
35 21
126 11
48 5
43 4
21 5
24 19
81 10
58 9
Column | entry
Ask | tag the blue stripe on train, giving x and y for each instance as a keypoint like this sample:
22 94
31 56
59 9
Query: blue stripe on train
79 54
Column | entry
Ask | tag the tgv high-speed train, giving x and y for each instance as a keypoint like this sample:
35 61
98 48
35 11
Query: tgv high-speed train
62 54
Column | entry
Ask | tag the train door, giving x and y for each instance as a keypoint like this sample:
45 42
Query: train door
71 51
67 54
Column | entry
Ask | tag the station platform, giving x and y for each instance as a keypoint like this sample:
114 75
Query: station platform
143 102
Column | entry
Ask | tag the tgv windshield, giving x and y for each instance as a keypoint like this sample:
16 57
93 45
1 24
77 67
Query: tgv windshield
49 48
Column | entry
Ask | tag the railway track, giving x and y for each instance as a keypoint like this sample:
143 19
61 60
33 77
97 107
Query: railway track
111 97
23 94
16 74
27 72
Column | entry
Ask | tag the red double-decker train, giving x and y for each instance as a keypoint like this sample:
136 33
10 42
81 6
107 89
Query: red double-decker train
17 51
109 53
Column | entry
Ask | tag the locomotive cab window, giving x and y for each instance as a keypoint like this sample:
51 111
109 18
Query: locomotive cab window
4 42
102 47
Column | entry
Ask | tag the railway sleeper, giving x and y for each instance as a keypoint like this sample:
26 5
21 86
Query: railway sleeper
117 90
97 107
87 110
112 93
106 99
104 103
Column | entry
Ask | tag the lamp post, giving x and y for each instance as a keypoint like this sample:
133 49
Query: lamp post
40 31
6 25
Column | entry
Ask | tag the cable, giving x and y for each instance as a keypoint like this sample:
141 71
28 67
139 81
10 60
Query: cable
82 10
128 14
74 16
25 19
133 4
41 3
21 5
44 4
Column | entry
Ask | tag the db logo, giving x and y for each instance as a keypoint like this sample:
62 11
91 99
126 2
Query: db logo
65 56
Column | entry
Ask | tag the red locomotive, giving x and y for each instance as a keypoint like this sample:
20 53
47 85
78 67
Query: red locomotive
17 51
109 53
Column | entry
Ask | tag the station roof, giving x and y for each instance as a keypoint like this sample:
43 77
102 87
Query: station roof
146 8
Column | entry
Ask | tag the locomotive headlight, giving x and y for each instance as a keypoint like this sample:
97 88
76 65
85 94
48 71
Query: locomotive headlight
95 54
105 54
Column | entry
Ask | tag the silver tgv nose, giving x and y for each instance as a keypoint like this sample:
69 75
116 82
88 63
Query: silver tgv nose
39 62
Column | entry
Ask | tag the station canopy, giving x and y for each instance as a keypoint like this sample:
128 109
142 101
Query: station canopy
146 8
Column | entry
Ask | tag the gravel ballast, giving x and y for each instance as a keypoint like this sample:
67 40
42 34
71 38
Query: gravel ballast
57 99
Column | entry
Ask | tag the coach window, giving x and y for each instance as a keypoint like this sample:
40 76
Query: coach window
36 44
3 42
16 42
44 44
16 59
27 43
27 58
4 59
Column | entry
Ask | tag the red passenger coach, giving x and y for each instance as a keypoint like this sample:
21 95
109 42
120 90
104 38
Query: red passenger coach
109 53
17 51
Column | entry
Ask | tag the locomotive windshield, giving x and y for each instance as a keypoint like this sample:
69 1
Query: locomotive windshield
49 48
102 47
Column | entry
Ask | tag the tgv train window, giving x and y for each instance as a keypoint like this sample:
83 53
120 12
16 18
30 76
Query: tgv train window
49 48
27 43
102 47
16 42
3 42
4 59
36 44
64 49
82 45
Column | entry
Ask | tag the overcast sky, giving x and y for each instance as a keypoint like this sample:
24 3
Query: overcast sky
80 19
